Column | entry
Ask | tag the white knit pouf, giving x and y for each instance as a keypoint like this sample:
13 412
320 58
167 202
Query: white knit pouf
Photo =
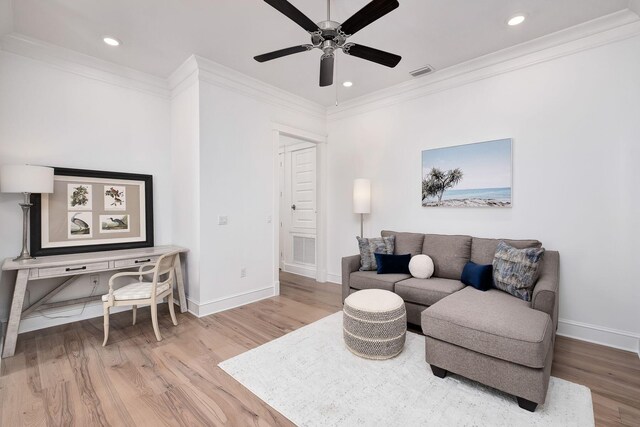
374 324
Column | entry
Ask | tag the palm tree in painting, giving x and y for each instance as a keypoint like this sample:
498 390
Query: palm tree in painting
437 182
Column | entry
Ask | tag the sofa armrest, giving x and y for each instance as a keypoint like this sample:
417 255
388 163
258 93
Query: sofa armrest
350 264
546 293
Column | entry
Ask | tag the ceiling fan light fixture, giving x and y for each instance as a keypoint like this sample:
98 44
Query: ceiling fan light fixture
111 41
347 84
330 36
516 20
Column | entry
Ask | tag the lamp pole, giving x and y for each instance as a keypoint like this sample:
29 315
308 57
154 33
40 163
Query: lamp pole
26 205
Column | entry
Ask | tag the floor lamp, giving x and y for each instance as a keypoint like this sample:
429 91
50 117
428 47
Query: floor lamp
25 179
361 200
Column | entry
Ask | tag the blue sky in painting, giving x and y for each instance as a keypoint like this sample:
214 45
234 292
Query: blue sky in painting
484 165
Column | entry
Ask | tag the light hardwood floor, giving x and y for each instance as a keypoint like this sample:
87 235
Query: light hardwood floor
63 376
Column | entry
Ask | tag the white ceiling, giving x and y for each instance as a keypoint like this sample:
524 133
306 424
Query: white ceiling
158 35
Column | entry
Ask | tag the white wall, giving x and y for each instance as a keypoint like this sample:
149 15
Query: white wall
53 117
575 124
238 179
185 173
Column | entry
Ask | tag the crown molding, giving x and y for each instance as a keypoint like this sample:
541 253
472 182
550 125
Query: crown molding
221 76
610 28
204 70
84 65
184 76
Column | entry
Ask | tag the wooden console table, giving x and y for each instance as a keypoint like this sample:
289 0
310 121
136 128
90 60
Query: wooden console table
75 266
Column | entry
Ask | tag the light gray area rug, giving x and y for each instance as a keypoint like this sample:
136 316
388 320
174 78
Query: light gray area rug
311 378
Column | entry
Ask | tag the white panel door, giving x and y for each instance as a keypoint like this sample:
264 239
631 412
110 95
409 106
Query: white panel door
303 190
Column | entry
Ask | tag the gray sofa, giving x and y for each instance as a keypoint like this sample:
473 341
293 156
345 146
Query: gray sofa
490 337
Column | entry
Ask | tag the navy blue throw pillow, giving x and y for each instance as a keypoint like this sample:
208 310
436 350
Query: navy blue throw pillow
388 264
478 276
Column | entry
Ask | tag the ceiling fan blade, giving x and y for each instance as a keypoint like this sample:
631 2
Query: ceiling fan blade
290 11
368 14
282 52
326 70
370 54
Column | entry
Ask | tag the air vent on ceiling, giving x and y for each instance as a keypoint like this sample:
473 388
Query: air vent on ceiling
422 71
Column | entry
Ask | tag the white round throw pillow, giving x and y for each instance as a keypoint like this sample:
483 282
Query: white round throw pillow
421 266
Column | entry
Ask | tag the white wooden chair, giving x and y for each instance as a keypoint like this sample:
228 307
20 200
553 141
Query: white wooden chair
144 292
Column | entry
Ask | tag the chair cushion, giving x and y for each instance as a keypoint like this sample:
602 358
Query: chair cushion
483 250
492 323
427 291
138 290
449 254
406 243
373 280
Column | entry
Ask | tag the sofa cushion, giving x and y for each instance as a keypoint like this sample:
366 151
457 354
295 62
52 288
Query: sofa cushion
492 323
480 276
370 246
373 280
406 243
391 264
516 270
483 250
449 254
427 291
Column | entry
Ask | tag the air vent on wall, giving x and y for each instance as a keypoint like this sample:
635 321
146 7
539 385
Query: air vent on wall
422 71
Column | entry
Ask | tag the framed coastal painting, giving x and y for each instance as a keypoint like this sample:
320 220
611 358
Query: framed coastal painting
92 211
471 175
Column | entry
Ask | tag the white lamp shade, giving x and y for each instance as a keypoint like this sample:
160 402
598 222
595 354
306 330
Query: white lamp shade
26 179
361 196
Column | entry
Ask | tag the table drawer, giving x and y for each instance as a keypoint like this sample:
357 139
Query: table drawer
134 262
72 269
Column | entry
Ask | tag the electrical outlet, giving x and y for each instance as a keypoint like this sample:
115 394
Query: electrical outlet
94 279
243 272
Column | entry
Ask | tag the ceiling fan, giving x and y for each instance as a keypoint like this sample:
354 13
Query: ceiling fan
328 36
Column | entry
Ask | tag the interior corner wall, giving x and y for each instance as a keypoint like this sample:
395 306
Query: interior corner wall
238 180
575 124
185 175
50 116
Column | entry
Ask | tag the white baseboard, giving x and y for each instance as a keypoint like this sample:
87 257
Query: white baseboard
201 309
334 278
623 340
300 270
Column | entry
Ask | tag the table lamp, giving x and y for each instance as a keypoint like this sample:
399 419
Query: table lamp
361 200
25 179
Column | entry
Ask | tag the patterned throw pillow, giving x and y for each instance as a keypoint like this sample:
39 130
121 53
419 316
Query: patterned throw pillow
369 247
516 270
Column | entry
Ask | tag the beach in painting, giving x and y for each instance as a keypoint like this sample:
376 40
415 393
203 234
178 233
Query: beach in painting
479 197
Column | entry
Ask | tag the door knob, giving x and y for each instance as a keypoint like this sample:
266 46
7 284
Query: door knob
293 207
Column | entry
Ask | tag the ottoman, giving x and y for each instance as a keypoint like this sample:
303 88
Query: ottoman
374 324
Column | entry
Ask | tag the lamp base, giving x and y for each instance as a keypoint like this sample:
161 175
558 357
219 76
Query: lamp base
24 255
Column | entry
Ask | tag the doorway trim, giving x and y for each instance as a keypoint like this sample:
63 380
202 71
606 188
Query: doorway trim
278 130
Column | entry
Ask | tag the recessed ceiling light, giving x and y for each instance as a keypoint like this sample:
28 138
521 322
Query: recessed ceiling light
111 41
516 20
347 84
